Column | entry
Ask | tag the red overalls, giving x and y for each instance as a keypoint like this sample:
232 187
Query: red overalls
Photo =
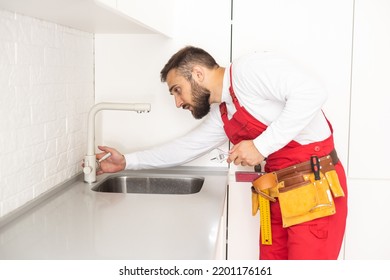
317 239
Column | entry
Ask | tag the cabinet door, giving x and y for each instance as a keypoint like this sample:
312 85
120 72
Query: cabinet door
243 228
370 98
317 34
157 15
368 225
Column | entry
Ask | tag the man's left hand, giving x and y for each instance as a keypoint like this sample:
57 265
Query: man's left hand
245 153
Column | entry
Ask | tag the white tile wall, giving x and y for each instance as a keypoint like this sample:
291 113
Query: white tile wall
46 90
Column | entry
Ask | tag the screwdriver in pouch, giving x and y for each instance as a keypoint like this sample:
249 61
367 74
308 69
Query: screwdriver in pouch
315 167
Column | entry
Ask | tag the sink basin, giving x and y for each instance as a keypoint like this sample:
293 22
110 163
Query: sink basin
152 184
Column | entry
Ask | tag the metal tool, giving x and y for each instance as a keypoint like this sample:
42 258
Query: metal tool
315 167
221 156
106 156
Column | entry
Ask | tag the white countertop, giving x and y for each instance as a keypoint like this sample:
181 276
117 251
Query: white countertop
78 223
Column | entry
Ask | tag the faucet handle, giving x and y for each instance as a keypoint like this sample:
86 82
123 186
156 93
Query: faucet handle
87 170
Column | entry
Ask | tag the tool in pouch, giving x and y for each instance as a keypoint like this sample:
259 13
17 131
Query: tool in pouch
261 202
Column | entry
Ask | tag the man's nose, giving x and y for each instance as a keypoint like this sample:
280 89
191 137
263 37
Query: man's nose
178 101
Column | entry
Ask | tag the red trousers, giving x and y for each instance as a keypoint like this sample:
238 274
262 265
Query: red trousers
320 239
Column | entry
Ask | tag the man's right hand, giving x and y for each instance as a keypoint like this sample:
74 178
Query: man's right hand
115 163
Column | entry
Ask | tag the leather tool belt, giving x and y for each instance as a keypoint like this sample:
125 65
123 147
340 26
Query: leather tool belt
305 191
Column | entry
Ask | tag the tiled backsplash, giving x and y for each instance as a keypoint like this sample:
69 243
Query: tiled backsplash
46 90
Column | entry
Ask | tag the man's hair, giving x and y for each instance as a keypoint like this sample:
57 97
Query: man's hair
184 61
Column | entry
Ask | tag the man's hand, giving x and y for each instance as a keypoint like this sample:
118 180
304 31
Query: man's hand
245 153
115 163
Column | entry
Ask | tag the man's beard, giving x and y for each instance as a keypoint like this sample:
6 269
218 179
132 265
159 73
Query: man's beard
201 100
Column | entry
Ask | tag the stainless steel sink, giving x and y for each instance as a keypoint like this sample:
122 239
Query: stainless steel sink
152 184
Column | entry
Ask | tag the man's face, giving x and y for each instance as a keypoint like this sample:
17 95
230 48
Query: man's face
189 94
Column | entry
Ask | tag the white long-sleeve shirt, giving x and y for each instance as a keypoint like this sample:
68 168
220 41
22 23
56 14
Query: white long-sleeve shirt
272 90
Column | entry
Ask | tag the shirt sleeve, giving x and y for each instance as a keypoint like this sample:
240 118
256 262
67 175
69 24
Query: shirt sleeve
207 136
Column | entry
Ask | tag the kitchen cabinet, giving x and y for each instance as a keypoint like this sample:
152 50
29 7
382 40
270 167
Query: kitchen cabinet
316 34
368 226
370 99
93 16
157 15
243 228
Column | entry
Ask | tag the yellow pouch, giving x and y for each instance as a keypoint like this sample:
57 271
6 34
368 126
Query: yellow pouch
334 183
267 181
306 202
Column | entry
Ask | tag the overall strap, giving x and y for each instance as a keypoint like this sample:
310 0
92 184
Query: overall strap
222 106
232 94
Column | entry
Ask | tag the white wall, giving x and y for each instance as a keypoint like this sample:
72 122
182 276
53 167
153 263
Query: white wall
128 70
46 89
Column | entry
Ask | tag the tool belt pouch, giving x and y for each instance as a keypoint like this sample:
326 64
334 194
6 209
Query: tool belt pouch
261 188
306 201
255 203
334 183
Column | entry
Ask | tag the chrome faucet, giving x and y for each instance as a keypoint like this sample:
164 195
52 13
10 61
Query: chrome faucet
89 168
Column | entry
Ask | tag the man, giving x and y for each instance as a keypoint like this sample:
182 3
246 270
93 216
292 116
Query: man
267 108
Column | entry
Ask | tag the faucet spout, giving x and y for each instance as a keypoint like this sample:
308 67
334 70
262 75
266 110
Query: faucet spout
90 159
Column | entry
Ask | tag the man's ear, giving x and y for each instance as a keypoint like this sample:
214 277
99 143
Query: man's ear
198 74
